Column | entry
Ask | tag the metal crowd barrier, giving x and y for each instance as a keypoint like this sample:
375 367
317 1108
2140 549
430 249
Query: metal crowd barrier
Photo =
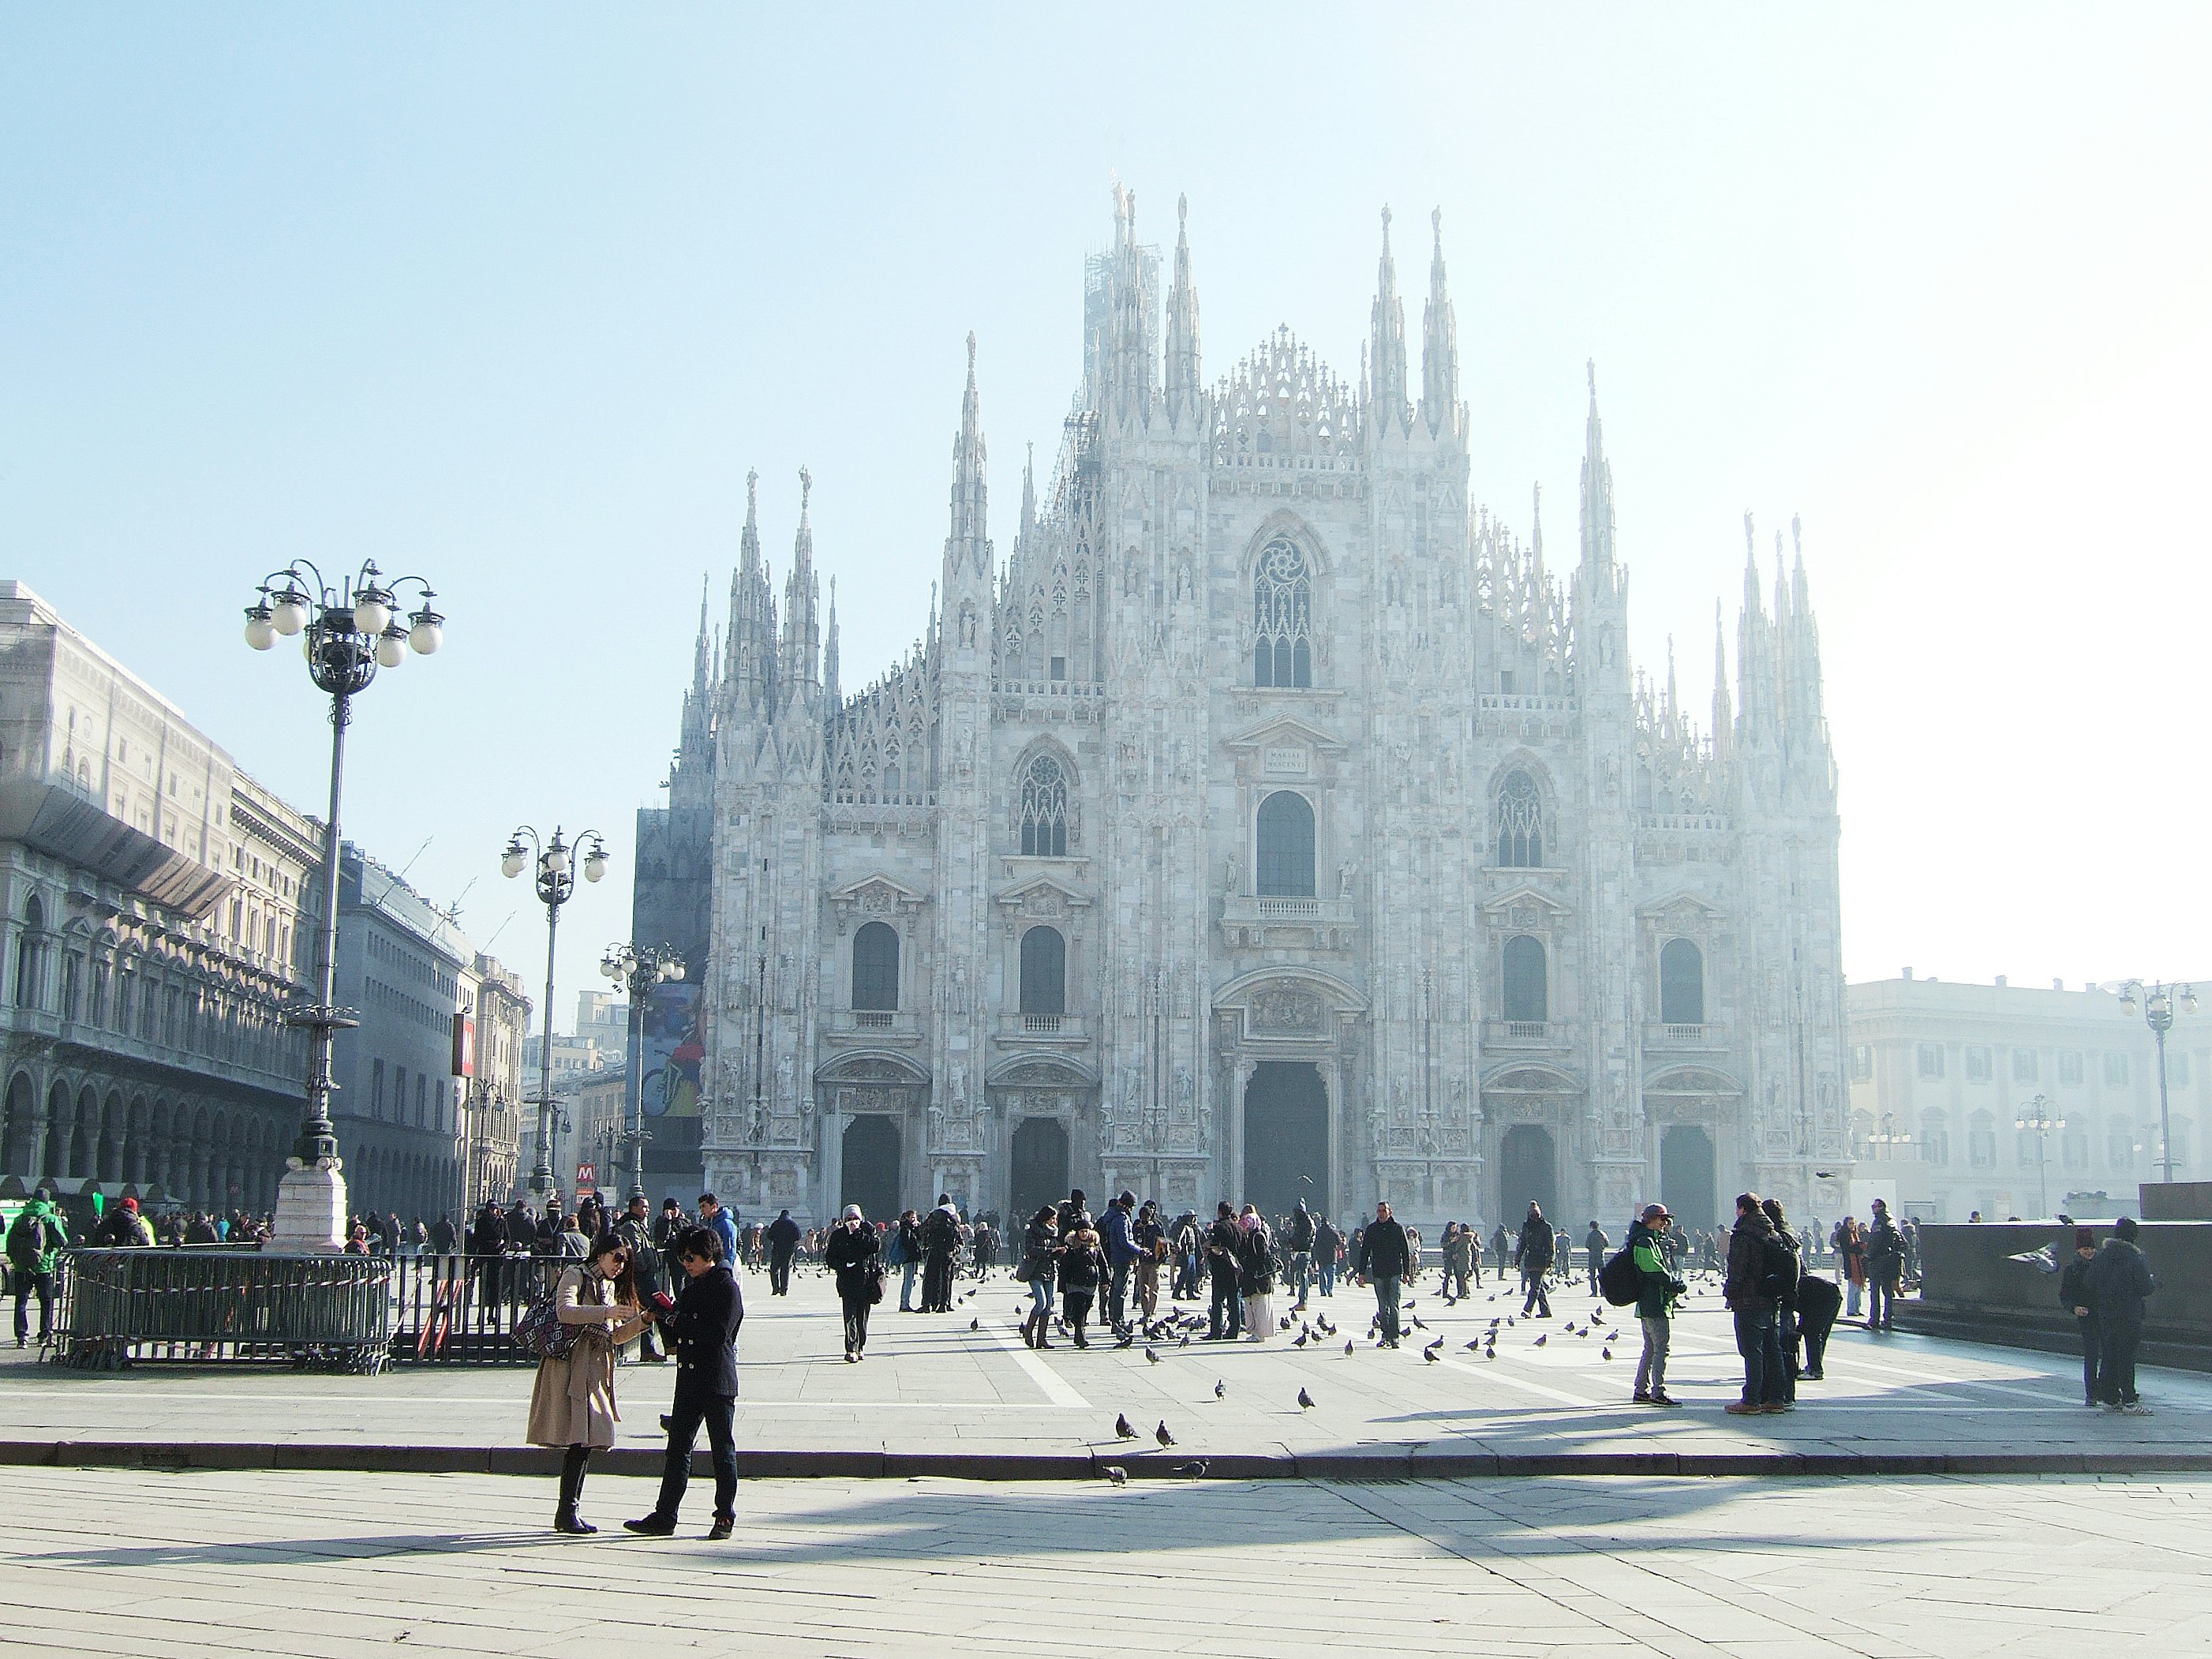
461 1310
215 1303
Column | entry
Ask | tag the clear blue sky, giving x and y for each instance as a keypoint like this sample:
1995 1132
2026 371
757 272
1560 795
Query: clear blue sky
513 295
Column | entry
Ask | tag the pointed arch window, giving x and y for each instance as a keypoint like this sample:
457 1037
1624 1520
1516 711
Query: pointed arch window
1520 822
1041 817
1681 984
1282 616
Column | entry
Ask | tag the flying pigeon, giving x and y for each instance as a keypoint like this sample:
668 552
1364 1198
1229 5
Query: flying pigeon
1305 1401
1219 1389
1162 1435
1122 1427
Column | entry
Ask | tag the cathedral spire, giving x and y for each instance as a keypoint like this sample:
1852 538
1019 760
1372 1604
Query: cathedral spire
1723 719
831 695
1597 487
970 496
1440 404
1182 369
802 635
1028 532
1387 366
700 652
749 647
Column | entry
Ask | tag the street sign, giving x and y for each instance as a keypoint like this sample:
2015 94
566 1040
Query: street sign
587 1174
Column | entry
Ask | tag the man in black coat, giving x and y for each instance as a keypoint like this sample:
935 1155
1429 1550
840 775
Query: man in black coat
1226 1322
2119 1282
782 1244
702 1324
940 1238
1384 1256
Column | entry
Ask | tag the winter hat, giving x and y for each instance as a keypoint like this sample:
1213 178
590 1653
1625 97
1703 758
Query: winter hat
131 1204
2085 1238
2125 1226
853 1213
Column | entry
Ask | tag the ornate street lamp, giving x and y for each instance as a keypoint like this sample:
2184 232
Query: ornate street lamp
638 968
2158 999
2034 1117
557 880
348 630
1888 1136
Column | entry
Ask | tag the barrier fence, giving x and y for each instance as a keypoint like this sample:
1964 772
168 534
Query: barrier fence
213 1303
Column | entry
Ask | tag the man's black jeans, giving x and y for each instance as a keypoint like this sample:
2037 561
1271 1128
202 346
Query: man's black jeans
684 1420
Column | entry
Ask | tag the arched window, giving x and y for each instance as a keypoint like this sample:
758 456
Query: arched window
1520 824
1285 864
1041 816
1044 972
875 967
1934 1138
1681 984
1282 617
1527 999
28 991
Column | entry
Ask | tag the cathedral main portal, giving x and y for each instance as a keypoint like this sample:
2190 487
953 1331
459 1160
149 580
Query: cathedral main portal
1040 1171
1528 1173
871 1166
1286 1137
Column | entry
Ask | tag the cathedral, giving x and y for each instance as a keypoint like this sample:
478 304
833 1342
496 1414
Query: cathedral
1272 822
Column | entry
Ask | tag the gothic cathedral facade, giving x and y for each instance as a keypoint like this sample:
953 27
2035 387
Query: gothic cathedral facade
1272 823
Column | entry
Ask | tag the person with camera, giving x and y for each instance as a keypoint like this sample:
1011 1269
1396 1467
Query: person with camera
702 1324
572 1403
854 1255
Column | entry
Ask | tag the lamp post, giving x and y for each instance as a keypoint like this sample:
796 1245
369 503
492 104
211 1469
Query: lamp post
2035 1116
556 881
349 630
1888 1136
2158 998
638 969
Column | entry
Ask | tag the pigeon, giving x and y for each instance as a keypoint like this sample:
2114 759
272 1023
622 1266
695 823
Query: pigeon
1605 1354
1128 1341
1472 1345
1185 1343
1490 1353
1347 1345
1284 1323
1305 1401
1419 1326
1117 1475
975 1324
1220 1391
1123 1428
1299 1341
1431 1355
1162 1435
1194 1470
1151 1357
1541 1341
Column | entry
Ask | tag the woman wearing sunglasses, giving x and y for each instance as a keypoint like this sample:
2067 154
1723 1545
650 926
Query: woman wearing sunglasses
573 1405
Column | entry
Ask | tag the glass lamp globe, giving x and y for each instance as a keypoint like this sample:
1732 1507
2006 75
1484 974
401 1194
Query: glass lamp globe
556 861
391 648
595 865
511 861
676 970
426 633
289 614
260 632
371 615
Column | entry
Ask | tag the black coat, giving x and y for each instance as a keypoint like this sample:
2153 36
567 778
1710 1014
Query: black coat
1384 1251
2120 1281
703 1329
851 1252
783 1236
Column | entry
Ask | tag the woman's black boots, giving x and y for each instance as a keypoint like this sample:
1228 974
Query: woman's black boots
574 1462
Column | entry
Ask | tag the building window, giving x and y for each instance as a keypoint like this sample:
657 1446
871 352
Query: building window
1861 1062
2120 1146
1044 972
376 1089
28 966
1931 1060
1527 998
1978 1063
2069 1067
1981 1141
2023 1066
1681 984
1935 1140
1041 815
2116 1071
421 1100
876 968
2074 1147
2179 1141
1520 824
2177 1068
1285 864
1282 618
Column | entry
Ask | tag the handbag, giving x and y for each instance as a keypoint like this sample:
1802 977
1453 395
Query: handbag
875 1283
1025 1270
540 1332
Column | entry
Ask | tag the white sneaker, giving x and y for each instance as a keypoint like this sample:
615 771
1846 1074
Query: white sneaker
2136 1408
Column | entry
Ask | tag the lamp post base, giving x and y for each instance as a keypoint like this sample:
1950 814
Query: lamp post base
310 1213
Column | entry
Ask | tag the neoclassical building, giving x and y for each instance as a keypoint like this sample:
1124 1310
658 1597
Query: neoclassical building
1272 822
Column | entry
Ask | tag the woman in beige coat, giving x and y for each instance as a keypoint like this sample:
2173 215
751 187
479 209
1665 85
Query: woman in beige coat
573 1406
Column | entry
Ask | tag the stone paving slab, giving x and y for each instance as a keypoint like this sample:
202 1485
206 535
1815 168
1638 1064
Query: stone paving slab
937 1397
235 1563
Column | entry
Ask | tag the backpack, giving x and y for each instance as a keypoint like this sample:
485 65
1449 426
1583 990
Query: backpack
1620 1280
28 1240
1777 1274
540 1332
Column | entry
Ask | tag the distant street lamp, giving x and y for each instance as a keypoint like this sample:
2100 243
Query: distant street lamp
556 881
2158 999
347 631
1889 1136
2035 1118
638 968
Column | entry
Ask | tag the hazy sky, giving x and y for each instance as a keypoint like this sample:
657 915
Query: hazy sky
513 296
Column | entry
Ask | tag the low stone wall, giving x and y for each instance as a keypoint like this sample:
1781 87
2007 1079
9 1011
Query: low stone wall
1972 1288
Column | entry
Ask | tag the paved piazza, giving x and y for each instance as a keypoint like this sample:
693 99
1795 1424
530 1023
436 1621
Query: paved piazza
320 1558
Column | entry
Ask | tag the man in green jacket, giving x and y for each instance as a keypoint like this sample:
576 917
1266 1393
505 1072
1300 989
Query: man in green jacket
1654 1304
36 1243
